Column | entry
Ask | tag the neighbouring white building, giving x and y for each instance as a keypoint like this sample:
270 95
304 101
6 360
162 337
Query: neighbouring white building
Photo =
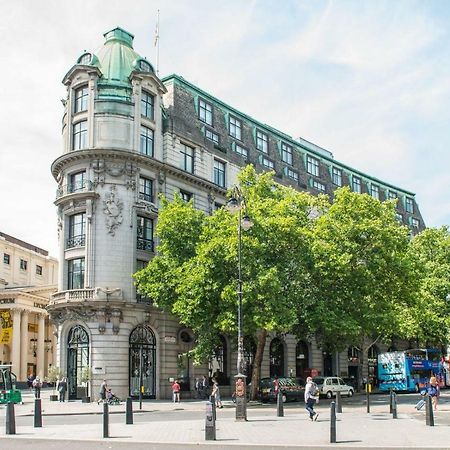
127 137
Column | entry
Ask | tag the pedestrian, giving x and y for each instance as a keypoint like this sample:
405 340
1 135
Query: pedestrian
311 398
102 392
62 388
176 391
434 392
276 386
198 388
205 387
37 384
30 380
216 393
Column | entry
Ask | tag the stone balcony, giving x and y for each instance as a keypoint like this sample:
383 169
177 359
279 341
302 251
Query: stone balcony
83 295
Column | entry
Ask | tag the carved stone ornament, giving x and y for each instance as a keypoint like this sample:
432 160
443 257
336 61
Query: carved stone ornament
112 207
161 177
98 167
62 315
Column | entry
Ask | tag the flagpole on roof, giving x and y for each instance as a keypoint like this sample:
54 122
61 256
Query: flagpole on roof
157 43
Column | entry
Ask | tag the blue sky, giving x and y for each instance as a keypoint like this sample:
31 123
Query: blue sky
367 80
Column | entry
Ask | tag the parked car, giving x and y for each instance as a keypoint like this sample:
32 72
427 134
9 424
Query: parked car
290 390
329 386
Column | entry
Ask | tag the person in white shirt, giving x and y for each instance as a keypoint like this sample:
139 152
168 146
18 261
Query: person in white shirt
311 398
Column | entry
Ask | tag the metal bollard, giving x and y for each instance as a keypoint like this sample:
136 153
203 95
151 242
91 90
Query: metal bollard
390 401
338 402
280 408
333 423
37 413
368 401
10 419
429 413
105 420
210 423
212 399
394 405
129 412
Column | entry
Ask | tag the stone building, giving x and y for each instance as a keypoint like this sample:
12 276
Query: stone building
28 277
129 136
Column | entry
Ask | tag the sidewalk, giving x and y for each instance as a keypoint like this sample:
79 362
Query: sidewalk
355 428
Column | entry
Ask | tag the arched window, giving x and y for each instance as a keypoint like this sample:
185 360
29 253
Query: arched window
142 356
218 363
276 358
301 359
77 360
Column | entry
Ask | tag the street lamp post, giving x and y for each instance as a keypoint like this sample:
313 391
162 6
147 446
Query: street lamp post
236 204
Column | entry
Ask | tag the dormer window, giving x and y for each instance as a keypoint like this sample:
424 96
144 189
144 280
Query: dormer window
145 66
85 59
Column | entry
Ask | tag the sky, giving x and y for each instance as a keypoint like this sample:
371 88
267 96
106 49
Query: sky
368 80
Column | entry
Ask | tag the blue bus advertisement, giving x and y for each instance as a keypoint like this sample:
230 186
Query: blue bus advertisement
409 370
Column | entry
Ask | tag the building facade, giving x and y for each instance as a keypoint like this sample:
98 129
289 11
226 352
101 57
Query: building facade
28 277
129 136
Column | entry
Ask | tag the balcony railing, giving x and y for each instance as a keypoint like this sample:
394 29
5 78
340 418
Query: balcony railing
73 295
76 241
140 298
145 244
71 188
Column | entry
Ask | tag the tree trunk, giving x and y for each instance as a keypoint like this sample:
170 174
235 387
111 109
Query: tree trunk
256 375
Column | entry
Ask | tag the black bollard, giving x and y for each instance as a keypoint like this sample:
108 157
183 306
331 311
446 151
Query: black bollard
280 408
368 401
333 423
129 412
338 402
210 423
390 401
394 405
105 420
37 413
10 419
212 399
429 411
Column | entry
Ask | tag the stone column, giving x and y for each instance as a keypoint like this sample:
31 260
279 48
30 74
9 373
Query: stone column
2 349
24 344
40 345
15 350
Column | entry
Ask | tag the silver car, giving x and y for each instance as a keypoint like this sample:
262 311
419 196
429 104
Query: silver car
329 386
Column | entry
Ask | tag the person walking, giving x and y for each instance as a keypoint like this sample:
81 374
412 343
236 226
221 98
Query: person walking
62 388
102 392
205 387
176 391
434 392
216 393
311 398
37 384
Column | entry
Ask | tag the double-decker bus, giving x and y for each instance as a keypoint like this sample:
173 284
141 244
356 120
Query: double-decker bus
409 370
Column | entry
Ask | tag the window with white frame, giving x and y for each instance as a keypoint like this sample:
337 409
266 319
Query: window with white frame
356 185
145 189
212 136
375 191
409 205
147 105
144 234
81 99
6 258
187 158
79 140
186 196
262 141
286 153
312 166
392 195
337 176
75 273
235 126
241 150
399 217
415 222
268 163
23 264
219 173
319 186
146 141
38 269
292 174
76 181
77 230
205 112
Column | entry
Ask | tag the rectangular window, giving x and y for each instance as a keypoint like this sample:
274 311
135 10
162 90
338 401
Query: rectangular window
337 176
79 135
23 264
286 153
217 206
219 173
6 258
319 186
212 136
375 191
146 147
187 158
392 195
205 112
235 128
38 270
186 196
292 174
76 182
77 230
415 222
409 205
75 274
147 105
144 234
312 166
356 185
145 189
262 141
399 217
268 163
241 151
81 99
